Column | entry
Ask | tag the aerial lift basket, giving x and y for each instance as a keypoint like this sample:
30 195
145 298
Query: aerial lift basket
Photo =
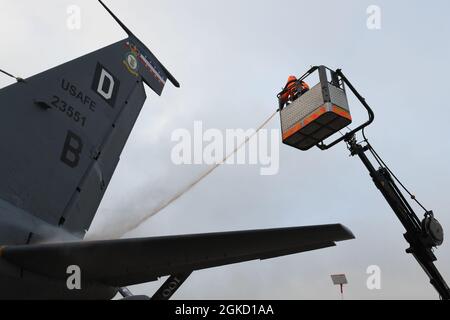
317 114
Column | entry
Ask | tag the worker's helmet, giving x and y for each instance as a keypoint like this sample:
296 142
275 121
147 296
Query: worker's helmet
292 78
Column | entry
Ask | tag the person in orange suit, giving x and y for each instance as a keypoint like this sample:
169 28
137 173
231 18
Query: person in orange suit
293 90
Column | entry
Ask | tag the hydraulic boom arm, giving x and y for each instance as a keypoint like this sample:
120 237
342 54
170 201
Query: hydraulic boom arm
421 236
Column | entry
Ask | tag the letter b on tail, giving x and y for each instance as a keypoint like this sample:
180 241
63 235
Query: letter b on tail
72 150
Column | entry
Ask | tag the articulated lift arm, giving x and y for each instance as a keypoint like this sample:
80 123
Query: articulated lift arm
422 236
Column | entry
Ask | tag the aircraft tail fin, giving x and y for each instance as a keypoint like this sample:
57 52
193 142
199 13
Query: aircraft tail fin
153 72
63 131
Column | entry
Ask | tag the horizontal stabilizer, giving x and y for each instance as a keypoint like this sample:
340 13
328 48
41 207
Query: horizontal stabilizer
121 263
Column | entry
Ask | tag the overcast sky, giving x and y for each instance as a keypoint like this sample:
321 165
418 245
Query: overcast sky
232 57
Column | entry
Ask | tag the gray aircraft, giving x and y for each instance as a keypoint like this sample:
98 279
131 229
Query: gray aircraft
62 132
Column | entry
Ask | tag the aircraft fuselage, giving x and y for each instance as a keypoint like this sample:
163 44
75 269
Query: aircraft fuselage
18 227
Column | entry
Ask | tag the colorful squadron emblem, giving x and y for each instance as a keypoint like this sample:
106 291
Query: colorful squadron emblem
131 63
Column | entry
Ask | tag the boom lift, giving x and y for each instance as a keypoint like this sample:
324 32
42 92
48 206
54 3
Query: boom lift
324 111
